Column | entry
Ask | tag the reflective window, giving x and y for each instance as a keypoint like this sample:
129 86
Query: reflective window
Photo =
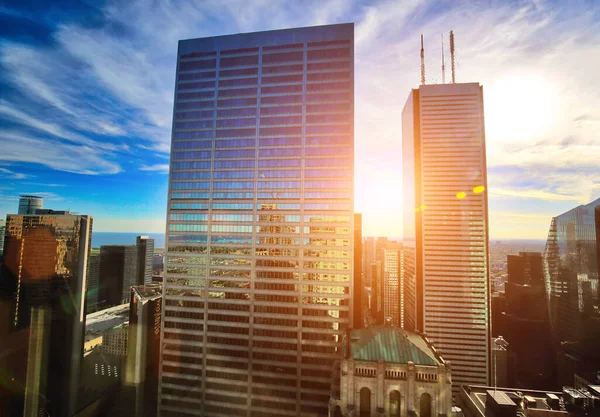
237 112
282 79
328 86
233 185
194 115
206 75
273 111
191 155
328 140
174 227
236 122
329 151
238 72
335 129
207 124
328 173
189 206
188 249
236 133
233 174
278 184
197 95
196 85
239 92
232 206
195 105
328 118
279 195
193 135
282 89
285 120
314 162
326 206
188 217
188 238
326 76
279 163
324 194
190 175
276 131
281 99
237 153
238 82
328 66
277 58
246 163
290 141
240 143
190 165
280 173
190 185
197 65
282 69
317 97
193 145
239 61
279 207
264 153
328 54
190 195
231 239
233 195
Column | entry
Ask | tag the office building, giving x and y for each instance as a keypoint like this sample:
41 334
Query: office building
2 228
368 251
118 272
393 286
29 204
526 324
359 304
143 354
387 371
446 272
42 294
259 262
377 295
93 282
571 277
145 254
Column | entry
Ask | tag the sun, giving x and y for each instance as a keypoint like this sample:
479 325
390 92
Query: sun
520 108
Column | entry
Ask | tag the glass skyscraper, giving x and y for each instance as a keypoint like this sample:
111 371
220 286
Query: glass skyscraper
259 262
571 279
446 270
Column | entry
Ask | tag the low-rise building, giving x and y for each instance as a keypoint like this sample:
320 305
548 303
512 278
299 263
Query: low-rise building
387 371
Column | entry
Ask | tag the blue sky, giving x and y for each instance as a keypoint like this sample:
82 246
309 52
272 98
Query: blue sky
87 89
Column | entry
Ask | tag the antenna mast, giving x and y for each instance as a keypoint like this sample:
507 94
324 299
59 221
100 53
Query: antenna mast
422 62
452 55
443 63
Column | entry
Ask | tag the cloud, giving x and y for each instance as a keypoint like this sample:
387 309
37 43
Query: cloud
18 147
531 194
7 173
161 168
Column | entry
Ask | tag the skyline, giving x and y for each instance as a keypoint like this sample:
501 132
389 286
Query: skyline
90 91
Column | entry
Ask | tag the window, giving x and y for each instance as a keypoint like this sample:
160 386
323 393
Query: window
281 99
195 105
198 95
282 89
238 102
238 82
328 54
237 112
196 85
282 79
198 76
285 120
235 133
239 92
271 111
193 145
197 65
236 123
238 72
282 57
239 61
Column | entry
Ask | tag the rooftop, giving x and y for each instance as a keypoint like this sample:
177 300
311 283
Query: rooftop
104 320
391 344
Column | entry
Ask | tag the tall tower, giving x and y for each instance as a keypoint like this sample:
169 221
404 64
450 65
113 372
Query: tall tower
446 272
259 258
42 306
392 283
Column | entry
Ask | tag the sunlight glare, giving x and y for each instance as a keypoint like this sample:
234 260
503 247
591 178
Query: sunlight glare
520 107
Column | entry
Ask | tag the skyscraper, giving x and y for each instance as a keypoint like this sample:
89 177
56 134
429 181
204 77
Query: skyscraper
43 282
571 277
446 270
527 328
258 281
393 286
145 253
118 272
359 286
28 204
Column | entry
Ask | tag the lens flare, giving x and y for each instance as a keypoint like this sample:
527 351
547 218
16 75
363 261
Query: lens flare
479 189
461 195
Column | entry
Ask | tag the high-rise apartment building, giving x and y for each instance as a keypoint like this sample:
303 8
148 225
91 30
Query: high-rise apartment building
259 262
93 282
118 272
572 289
393 286
446 271
42 301
2 228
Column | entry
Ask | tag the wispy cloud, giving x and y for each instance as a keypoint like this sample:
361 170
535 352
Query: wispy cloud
7 173
161 168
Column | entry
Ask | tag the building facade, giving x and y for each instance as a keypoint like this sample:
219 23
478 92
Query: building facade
393 286
259 261
29 204
118 272
526 323
389 372
93 282
145 254
571 279
42 300
446 271
359 304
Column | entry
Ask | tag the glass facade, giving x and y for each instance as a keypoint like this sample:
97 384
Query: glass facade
571 279
258 282
42 306
446 271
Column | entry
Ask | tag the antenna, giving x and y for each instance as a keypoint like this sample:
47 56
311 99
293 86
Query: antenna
422 62
452 55
443 63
